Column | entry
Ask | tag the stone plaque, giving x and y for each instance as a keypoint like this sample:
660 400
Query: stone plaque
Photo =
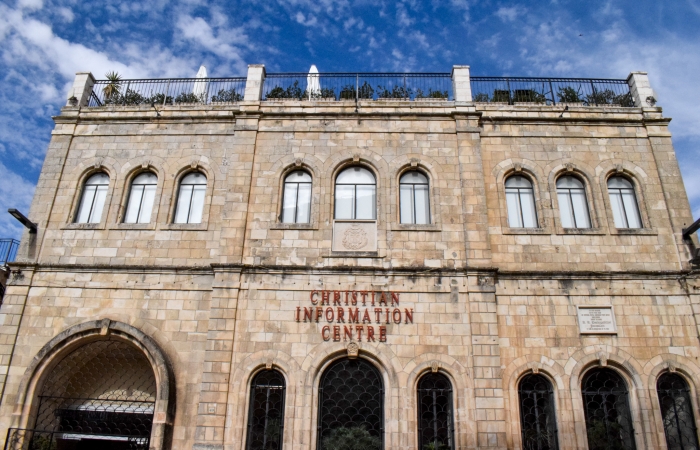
354 236
596 320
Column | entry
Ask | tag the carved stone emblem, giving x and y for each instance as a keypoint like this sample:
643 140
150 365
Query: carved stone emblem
355 238
353 350
434 366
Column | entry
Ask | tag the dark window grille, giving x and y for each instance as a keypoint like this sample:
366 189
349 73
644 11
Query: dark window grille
351 406
101 395
266 415
677 412
435 413
608 416
537 414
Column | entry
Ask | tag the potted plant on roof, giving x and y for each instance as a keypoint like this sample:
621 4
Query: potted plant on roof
111 90
431 95
569 96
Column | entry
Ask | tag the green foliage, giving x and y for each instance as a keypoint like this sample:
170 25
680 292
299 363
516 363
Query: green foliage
187 97
227 96
111 89
528 96
431 94
601 437
292 92
347 92
354 438
395 92
568 95
436 445
501 96
365 91
608 97
131 97
323 93
157 99
481 97
532 440
42 443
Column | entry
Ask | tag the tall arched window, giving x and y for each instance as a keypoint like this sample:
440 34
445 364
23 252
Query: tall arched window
102 395
296 200
677 412
414 198
266 415
538 420
92 200
624 203
573 206
520 199
141 197
355 194
435 412
190 198
351 406
607 410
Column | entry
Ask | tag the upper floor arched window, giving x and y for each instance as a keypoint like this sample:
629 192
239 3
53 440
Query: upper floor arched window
141 197
92 200
435 412
266 414
296 199
624 203
190 198
520 199
573 206
414 198
356 194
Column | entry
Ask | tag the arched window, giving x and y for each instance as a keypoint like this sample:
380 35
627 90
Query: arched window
351 406
266 415
102 395
415 201
141 197
572 203
190 198
520 199
624 203
677 412
435 412
538 420
92 201
607 411
355 194
296 200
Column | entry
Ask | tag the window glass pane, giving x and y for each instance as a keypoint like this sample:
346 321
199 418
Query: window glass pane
617 209
578 199
86 204
435 412
569 182
146 178
344 202
266 413
527 204
537 414
197 204
517 181
422 204
365 202
355 175
406 197
630 202
132 209
99 203
98 178
620 183
149 196
413 177
298 176
194 178
183 204
513 204
567 217
304 203
290 199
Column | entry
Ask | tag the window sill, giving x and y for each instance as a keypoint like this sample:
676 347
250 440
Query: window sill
84 226
509 230
589 231
413 227
133 226
185 227
633 232
294 226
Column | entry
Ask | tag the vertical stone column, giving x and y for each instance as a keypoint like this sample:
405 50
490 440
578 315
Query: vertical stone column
461 84
641 89
81 90
254 83
486 355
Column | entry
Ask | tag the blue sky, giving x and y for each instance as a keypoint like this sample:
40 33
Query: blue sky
44 42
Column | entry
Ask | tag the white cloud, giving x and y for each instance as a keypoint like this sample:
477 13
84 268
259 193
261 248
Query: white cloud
509 14
66 14
15 192
309 21
30 4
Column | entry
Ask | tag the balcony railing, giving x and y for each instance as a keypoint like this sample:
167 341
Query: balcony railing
8 250
170 91
551 91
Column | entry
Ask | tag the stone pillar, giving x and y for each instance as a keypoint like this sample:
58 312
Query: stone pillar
254 83
461 84
81 90
641 90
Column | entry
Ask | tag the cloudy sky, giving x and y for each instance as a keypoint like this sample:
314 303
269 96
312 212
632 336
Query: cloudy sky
44 42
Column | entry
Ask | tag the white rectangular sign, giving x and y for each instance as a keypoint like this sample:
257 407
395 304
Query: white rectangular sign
596 320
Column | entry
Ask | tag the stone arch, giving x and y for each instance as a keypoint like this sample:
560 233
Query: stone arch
584 172
84 170
531 170
640 181
555 373
75 337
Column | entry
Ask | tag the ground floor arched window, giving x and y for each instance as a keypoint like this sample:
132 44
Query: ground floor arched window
435 413
538 420
100 396
677 412
351 406
607 410
266 416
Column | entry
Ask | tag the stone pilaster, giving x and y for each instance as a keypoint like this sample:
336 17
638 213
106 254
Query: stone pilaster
254 83
641 90
81 90
461 84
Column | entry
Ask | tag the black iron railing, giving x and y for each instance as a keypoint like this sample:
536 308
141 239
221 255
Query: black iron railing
23 439
551 91
169 91
8 250
363 86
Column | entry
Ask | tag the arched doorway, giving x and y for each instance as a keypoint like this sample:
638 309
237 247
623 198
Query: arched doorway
101 395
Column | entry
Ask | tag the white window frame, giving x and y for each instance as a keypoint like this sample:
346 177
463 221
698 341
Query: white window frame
519 192
566 194
95 209
617 198
132 197
180 192
413 198
354 195
286 192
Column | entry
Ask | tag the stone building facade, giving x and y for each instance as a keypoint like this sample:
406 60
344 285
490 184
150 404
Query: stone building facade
198 312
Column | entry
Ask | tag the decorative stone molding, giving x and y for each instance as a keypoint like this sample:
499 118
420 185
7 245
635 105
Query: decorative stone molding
355 236
434 366
353 350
